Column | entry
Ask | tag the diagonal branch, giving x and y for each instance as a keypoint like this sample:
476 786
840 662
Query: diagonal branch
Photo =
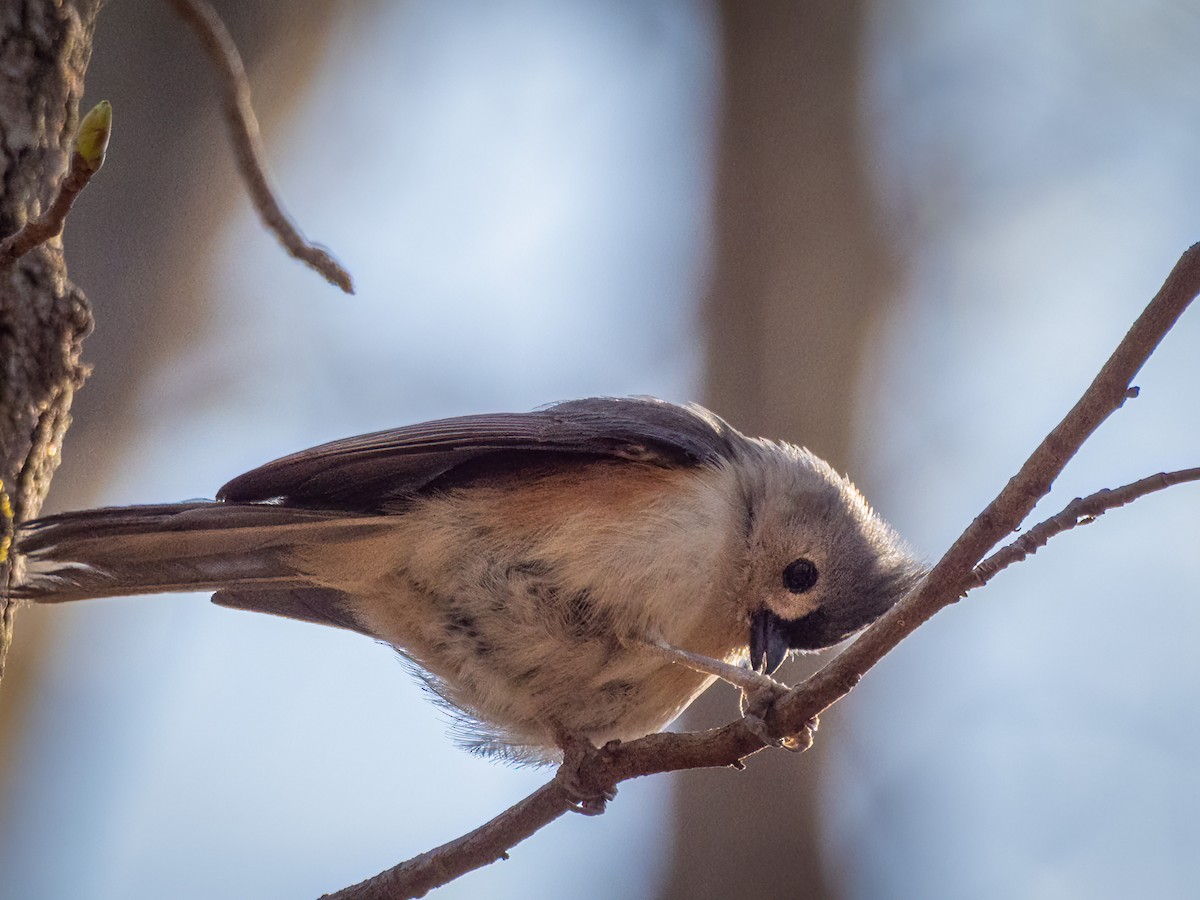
443 864
247 141
952 575
950 579
491 841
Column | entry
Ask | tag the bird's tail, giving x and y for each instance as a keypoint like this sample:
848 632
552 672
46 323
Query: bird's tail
193 546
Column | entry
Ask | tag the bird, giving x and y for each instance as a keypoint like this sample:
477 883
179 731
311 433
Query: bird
542 573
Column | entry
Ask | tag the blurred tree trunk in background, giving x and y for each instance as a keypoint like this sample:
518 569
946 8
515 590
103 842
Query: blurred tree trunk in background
799 271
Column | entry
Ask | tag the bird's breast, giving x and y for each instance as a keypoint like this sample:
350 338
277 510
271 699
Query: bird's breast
529 603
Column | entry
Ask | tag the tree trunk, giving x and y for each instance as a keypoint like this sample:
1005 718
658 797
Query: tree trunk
45 48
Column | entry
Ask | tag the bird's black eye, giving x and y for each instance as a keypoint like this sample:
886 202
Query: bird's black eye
800 575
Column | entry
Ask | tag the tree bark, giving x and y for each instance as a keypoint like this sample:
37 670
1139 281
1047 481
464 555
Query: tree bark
45 48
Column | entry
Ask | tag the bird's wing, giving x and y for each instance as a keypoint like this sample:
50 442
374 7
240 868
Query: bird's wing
363 472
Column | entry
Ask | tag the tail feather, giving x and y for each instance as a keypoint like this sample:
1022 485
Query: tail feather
194 546
324 606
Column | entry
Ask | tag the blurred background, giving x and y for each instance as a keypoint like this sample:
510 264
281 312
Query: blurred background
903 234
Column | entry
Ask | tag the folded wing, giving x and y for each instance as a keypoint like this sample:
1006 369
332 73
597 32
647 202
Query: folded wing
364 473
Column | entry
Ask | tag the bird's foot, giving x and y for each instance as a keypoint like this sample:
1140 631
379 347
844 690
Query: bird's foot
758 713
581 773
760 693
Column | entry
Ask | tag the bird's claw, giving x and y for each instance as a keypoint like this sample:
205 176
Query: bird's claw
760 693
586 795
758 710
793 743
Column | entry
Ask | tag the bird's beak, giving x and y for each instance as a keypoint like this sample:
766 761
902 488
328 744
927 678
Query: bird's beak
768 641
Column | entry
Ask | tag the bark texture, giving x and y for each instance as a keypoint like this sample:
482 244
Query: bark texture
44 52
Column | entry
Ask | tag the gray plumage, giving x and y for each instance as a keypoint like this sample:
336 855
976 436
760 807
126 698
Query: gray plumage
520 561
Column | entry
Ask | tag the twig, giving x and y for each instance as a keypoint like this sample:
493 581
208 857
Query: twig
247 141
484 845
949 580
91 143
1080 511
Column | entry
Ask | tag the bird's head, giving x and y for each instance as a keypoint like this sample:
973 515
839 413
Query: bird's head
822 564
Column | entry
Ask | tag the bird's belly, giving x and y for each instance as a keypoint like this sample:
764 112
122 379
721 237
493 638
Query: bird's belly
523 657
592 688
532 618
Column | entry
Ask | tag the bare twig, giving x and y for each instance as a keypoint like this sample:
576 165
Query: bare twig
247 141
949 580
91 143
484 845
1080 511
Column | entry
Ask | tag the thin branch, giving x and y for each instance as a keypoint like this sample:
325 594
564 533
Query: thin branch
1080 511
91 143
247 141
949 580
486 844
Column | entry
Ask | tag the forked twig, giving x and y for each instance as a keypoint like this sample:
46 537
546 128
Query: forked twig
1080 511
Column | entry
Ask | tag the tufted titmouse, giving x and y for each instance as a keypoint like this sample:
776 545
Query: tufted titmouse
529 565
